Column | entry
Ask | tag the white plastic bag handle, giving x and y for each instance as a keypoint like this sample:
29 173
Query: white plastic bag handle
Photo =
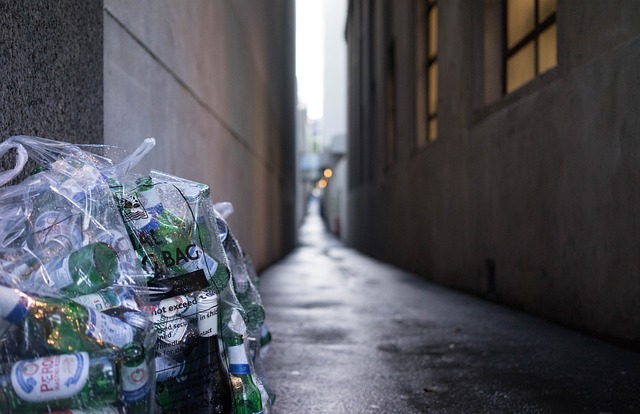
21 160
134 158
224 208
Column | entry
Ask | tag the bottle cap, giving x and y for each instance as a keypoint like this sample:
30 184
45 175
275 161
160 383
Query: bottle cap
236 383
207 300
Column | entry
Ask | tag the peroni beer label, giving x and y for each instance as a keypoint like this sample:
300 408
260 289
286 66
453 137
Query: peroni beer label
51 378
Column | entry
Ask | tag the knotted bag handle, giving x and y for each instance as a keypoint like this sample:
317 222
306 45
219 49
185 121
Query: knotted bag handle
21 160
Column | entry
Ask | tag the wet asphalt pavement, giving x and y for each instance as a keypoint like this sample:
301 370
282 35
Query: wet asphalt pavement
354 335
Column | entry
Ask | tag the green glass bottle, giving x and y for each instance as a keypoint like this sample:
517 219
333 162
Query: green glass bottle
207 234
245 392
265 335
157 233
87 270
259 374
135 379
63 325
246 292
216 391
254 312
63 381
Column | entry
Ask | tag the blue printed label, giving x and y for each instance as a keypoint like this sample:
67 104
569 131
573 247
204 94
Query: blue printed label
109 330
238 369
238 362
19 311
59 275
167 368
203 261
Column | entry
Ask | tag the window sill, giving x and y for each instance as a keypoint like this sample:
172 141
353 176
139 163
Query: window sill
526 90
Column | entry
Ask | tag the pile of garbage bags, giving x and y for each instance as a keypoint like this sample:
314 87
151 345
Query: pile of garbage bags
122 292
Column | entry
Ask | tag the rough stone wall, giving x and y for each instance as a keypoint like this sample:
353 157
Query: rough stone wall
51 70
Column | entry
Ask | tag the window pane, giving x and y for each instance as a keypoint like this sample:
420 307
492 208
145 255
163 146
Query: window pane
547 49
433 31
546 9
421 38
520 67
520 20
433 129
433 88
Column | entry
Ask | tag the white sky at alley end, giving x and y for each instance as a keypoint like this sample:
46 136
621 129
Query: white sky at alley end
310 55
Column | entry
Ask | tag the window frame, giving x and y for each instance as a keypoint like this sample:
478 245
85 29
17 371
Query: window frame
431 113
426 112
531 37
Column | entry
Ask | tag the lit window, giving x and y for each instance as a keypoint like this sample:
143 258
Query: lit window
531 40
427 71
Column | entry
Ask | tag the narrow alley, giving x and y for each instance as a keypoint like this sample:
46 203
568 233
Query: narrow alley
353 335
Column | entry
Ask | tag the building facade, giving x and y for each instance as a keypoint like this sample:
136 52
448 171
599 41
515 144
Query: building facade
334 130
493 148
213 82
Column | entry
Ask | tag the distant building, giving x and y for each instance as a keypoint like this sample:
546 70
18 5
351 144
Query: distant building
335 116
494 147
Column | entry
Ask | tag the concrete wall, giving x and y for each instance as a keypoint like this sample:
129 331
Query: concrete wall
213 82
529 198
